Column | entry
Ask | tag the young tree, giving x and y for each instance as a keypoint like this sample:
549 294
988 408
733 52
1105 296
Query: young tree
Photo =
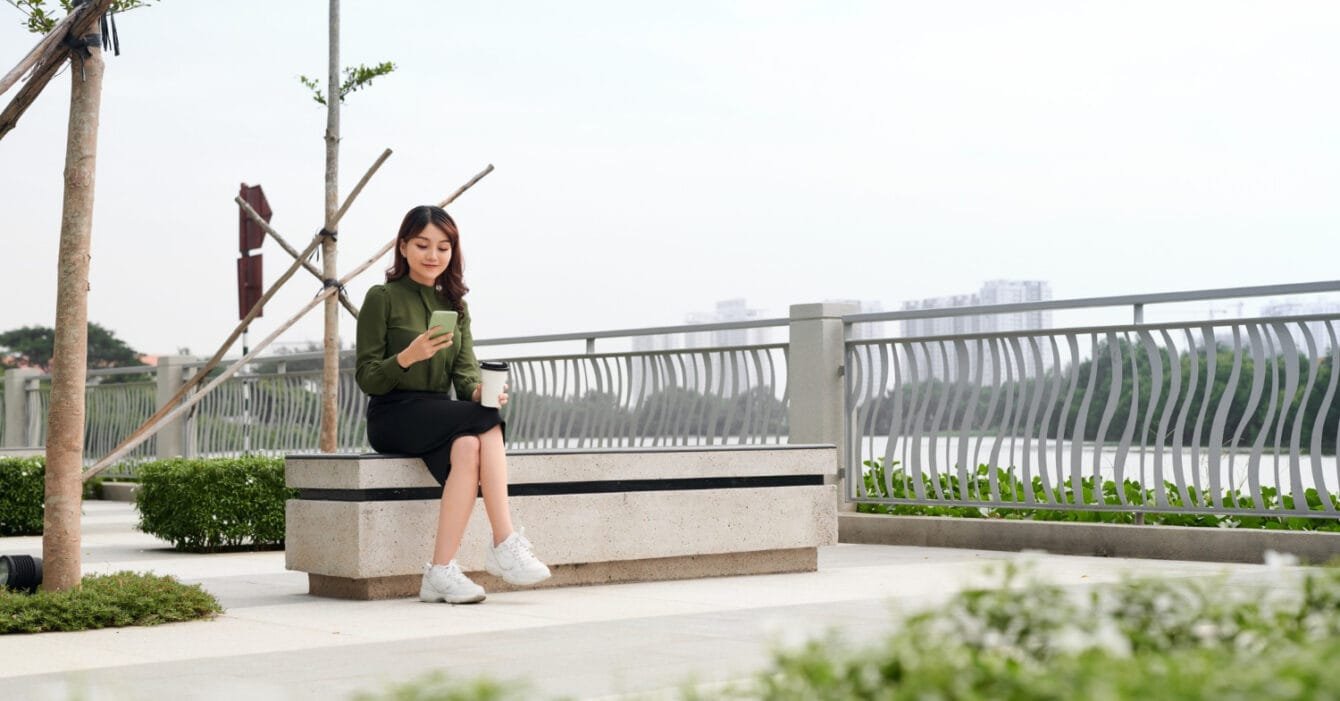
336 90
69 361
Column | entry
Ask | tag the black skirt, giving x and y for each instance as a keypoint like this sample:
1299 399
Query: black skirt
425 424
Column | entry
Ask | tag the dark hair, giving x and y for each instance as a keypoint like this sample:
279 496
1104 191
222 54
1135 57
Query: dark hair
450 285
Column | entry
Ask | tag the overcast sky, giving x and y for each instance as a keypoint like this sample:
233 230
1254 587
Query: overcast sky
653 158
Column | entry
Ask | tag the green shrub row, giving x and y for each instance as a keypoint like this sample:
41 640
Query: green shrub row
203 505
21 495
1009 487
1150 640
106 601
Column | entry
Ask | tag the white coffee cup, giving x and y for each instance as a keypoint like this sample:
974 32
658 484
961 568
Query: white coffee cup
494 376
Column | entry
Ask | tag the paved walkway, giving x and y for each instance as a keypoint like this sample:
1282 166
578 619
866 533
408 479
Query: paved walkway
276 642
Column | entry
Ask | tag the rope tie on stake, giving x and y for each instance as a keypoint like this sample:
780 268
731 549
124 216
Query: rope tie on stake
329 283
114 43
323 234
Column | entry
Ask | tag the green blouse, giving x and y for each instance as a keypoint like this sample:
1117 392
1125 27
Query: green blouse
395 313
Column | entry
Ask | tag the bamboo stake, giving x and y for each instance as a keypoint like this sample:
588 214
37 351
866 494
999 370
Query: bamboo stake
461 190
284 244
84 18
231 370
39 55
213 362
165 415
24 99
359 187
279 239
255 311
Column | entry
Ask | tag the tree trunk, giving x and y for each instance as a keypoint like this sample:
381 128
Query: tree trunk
330 384
69 362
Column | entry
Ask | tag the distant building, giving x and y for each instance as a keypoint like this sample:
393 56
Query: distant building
1321 337
717 373
932 356
870 330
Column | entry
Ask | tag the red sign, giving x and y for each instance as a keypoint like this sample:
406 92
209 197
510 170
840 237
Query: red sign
249 286
250 236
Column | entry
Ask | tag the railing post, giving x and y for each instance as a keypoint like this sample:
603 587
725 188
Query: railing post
16 407
814 370
172 439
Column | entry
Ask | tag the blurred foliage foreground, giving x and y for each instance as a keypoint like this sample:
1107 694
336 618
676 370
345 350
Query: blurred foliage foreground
1264 636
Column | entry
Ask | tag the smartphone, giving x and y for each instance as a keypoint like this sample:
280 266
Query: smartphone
445 319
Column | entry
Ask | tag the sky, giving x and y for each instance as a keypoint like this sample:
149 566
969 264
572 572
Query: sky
654 158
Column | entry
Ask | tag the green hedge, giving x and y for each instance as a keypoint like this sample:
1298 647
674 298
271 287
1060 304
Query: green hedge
21 495
208 505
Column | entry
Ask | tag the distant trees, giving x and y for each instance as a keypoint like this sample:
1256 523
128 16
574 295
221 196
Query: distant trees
33 346
673 411
1243 423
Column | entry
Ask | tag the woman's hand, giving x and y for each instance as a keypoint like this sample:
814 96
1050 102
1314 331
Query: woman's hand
423 347
502 398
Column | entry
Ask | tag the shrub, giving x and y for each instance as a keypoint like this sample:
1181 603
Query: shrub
106 601
206 505
21 495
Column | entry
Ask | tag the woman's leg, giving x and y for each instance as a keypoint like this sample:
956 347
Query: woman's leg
458 498
493 482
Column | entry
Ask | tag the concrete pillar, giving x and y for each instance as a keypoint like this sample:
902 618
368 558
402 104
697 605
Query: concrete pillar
16 407
814 372
172 441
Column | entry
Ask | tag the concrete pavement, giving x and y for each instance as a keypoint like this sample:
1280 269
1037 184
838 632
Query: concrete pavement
276 642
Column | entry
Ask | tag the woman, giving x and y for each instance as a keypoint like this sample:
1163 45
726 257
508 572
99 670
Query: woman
408 369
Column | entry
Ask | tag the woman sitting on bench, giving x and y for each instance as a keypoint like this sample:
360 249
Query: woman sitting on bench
407 369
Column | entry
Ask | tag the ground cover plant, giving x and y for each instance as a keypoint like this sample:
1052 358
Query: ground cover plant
106 601
204 505
986 482
1276 638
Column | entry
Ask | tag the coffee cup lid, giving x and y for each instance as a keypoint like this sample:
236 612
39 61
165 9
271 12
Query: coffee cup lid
493 365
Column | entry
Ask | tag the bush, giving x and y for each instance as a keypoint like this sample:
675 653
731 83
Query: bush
207 505
106 601
1140 640
21 495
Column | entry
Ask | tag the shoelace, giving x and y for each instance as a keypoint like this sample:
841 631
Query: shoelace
518 546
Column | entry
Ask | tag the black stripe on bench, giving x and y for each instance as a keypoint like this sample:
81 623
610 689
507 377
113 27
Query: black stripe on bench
556 488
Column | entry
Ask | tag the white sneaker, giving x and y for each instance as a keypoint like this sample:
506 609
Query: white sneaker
448 583
513 561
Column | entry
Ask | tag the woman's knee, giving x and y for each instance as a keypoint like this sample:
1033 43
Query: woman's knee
467 448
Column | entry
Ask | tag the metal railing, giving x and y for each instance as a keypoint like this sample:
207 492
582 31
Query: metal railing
116 402
269 408
675 397
688 397
1230 416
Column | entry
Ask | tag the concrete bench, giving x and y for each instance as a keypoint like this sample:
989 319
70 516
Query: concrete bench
363 525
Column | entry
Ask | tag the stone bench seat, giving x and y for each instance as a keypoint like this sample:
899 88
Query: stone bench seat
363 525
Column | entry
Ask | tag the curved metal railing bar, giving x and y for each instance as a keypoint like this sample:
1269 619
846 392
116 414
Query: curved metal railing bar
1183 410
